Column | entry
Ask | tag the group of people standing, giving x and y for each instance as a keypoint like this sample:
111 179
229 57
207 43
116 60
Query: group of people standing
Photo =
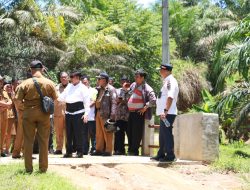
81 112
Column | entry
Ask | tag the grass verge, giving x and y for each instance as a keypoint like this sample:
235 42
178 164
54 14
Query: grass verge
234 157
13 177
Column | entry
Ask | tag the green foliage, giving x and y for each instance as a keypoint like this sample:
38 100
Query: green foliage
233 157
231 53
209 103
13 177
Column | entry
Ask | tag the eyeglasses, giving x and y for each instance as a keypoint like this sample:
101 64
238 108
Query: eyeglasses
100 78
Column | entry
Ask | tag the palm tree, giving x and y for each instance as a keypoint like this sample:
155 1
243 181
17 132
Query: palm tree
31 32
231 53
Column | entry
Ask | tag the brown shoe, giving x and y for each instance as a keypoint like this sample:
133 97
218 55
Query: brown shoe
106 154
16 156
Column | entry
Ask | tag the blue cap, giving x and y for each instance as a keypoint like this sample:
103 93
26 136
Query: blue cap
166 66
103 75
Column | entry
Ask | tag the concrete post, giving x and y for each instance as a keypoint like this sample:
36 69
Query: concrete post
148 138
196 136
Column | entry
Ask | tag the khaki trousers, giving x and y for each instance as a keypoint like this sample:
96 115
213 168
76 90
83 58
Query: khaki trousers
19 135
59 124
3 125
35 119
11 131
104 140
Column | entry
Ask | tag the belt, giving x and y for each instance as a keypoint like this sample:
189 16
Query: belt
74 107
134 111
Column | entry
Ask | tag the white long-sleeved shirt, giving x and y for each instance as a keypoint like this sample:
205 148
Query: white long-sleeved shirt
76 93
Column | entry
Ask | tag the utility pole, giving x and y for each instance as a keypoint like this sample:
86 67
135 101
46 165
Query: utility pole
165 32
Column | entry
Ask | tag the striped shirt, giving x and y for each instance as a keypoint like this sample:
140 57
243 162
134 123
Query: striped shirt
136 102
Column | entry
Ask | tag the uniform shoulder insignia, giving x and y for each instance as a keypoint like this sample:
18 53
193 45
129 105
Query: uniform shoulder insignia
168 85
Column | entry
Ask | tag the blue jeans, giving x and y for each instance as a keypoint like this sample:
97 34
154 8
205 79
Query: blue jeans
166 138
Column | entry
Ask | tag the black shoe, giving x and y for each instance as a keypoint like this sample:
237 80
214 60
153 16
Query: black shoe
58 152
29 171
167 159
79 155
85 153
3 155
96 153
106 154
17 157
119 153
51 151
156 158
132 154
67 155
91 151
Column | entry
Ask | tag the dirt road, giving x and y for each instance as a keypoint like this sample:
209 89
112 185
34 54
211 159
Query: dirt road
147 177
139 173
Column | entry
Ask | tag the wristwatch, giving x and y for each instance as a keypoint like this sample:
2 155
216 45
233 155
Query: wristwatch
165 110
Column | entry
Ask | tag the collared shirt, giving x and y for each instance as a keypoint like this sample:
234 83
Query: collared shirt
136 101
169 89
76 93
122 112
60 106
93 94
27 92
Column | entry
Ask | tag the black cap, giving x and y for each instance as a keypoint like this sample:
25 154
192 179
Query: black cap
84 76
124 77
75 73
36 64
141 72
166 66
103 75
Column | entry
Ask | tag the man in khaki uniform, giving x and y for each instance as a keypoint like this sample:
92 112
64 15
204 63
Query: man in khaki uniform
4 105
33 116
19 133
59 115
12 116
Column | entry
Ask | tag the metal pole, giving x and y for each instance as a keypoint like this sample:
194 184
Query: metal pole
165 33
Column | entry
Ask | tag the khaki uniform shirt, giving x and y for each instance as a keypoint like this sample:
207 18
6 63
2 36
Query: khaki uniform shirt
29 95
10 111
60 107
18 104
4 98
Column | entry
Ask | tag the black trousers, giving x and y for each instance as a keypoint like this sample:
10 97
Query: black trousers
135 131
120 136
92 135
76 128
166 138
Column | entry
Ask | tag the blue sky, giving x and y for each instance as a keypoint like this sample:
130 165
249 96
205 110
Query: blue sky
146 3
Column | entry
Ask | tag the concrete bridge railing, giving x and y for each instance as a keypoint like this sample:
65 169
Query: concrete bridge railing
196 137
